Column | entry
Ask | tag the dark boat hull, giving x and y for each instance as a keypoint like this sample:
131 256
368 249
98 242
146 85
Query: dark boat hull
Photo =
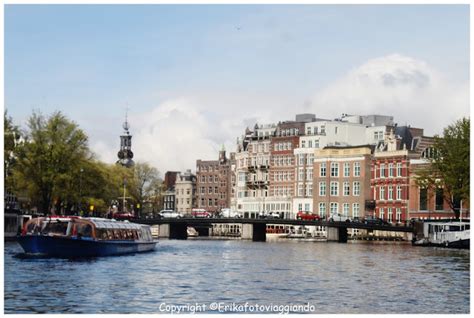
463 244
73 247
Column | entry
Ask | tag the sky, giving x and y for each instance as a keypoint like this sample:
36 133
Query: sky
193 77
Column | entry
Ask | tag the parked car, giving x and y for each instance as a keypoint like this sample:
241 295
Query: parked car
228 213
337 217
374 220
123 216
169 214
268 215
200 213
273 215
307 216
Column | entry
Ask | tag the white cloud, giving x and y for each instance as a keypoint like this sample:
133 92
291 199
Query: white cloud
409 89
178 131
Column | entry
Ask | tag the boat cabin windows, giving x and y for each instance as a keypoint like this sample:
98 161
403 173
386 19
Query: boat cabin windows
93 228
436 228
55 228
33 228
83 230
116 234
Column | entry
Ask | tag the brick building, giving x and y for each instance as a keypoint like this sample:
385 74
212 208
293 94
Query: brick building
390 179
429 202
214 182
282 169
395 189
169 194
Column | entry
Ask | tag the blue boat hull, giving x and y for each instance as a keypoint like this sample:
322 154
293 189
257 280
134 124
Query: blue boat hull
74 247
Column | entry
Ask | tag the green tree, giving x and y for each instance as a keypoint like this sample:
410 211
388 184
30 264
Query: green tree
143 182
11 139
450 167
49 159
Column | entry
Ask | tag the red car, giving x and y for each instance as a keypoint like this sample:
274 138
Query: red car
123 216
307 216
200 213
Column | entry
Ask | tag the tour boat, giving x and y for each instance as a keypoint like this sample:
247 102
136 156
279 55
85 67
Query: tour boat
192 232
446 234
84 237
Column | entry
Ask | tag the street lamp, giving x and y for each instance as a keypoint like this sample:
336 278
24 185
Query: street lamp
80 191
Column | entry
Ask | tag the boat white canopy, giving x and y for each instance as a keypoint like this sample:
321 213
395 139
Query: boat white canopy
113 224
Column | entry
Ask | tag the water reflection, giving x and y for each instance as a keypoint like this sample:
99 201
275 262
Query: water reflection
335 278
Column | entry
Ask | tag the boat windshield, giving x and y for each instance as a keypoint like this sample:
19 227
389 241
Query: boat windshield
84 230
33 228
55 228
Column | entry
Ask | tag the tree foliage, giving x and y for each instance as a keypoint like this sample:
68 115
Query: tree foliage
54 167
450 165
53 150
11 139
143 183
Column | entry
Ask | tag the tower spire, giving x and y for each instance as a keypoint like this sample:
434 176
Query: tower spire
125 153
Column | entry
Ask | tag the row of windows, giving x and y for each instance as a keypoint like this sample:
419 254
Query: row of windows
210 179
288 132
301 174
169 198
335 169
252 193
121 234
308 188
283 176
310 143
378 135
267 207
279 146
307 207
216 190
282 160
389 171
386 193
302 158
188 191
259 148
315 130
257 177
334 188
258 161
439 199
208 168
398 215
334 208
181 201
282 191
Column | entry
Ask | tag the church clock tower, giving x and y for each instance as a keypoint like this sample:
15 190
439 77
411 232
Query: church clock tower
125 153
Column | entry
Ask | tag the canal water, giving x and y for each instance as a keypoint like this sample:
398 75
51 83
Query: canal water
241 276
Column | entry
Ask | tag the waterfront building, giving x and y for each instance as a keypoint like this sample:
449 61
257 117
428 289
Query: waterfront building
349 130
169 194
429 202
390 172
252 163
214 182
425 202
341 179
185 192
282 171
